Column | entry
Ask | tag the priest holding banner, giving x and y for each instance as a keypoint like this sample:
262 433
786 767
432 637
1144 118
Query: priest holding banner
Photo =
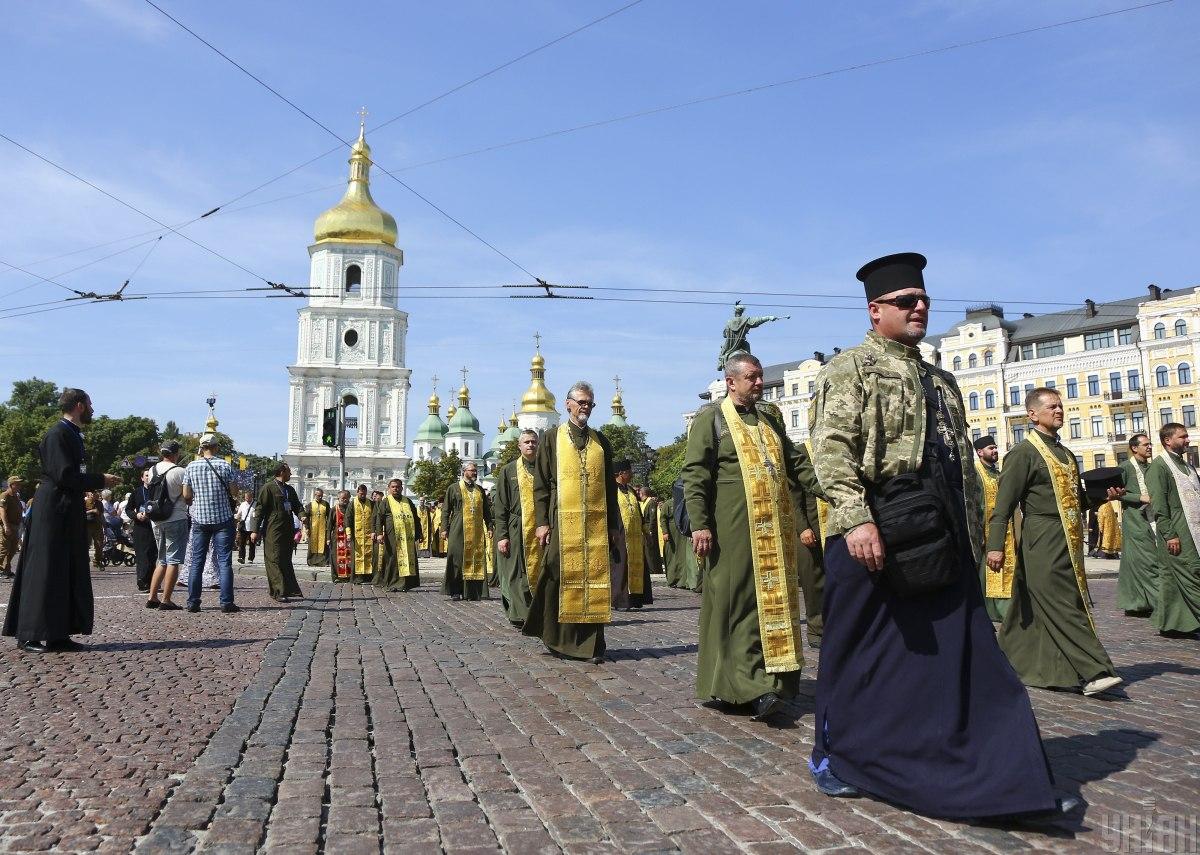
341 546
741 485
466 524
578 526
397 529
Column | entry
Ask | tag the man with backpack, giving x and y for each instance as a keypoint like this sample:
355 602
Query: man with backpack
169 521
206 489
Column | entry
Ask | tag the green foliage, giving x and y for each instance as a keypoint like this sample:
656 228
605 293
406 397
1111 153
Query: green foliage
627 443
430 479
171 431
35 396
111 442
509 452
667 467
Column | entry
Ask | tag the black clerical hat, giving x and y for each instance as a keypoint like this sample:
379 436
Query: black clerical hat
1097 481
985 441
892 273
622 466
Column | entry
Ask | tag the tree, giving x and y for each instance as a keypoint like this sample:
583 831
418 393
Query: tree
628 442
35 396
667 467
170 431
509 452
113 443
432 478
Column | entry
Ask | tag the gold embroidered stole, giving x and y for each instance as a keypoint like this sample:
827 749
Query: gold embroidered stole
585 578
530 543
822 506
363 529
342 549
317 518
1065 479
402 527
474 558
999 584
773 539
635 558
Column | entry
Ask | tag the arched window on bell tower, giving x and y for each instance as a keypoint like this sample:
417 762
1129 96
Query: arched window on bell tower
353 279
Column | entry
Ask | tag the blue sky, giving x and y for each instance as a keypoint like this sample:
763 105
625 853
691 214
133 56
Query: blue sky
1054 166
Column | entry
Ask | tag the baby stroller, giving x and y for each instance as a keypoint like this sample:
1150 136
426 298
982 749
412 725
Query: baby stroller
118 549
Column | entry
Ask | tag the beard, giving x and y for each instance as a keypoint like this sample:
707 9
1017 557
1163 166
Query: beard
85 417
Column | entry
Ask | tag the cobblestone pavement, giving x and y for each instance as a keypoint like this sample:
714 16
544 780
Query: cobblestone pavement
411 723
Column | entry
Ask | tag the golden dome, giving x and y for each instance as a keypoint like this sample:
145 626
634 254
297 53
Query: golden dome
537 398
435 404
464 397
357 219
450 411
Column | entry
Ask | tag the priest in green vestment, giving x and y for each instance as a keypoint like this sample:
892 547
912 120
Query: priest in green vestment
671 542
519 554
1175 496
637 544
1048 633
276 508
467 521
1137 579
810 556
575 501
996 584
653 533
397 528
741 483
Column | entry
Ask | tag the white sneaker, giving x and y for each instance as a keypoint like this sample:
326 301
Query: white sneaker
1101 684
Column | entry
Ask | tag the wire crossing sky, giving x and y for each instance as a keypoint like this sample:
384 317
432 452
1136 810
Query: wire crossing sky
671 156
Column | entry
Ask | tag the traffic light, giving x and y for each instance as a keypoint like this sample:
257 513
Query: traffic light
329 425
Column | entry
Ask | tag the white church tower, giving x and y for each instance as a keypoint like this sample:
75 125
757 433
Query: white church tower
351 344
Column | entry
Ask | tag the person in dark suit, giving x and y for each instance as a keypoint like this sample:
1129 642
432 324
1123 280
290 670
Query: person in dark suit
144 546
51 597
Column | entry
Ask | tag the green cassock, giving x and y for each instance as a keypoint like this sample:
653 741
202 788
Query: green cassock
811 558
276 503
1046 633
1177 608
514 584
387 574
672 558
730 665
576 640
454 584
1137 580
653 537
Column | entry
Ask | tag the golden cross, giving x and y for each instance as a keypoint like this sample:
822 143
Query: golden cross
435 379
537 341
617 380
362 117
463 372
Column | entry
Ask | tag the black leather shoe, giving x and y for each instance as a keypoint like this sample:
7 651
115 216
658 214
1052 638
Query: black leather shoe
65 645
33 647
230 608
831 785
765 706
193 607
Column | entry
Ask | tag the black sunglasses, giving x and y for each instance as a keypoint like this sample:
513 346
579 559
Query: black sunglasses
907 301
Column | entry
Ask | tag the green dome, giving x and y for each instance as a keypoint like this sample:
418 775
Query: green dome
433 430
464 421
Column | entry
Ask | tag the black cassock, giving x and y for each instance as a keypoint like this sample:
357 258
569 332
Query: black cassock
52 594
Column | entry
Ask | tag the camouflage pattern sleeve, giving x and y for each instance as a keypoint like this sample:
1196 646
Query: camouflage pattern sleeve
836 429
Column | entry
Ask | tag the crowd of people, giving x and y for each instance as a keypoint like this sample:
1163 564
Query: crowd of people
937 583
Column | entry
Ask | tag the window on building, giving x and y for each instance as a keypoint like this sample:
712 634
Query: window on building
1098 340
1181 327
1079 461
1018 433
353 279
1050 348
1125 335
957 363
1114 382
972 361
987 357
1189 415
973 401
1026 352
795 418
1121 458
1135 380
1100 458
1119 420
1165 416
1072 387
1137 421
1160 330
1014 396
385 432
310 428
767 393
795 390
467 448
1097 425
1076 428
1162 376
812 386
975 433
989 399
1051 384
1028 388
1093 384
1183 373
